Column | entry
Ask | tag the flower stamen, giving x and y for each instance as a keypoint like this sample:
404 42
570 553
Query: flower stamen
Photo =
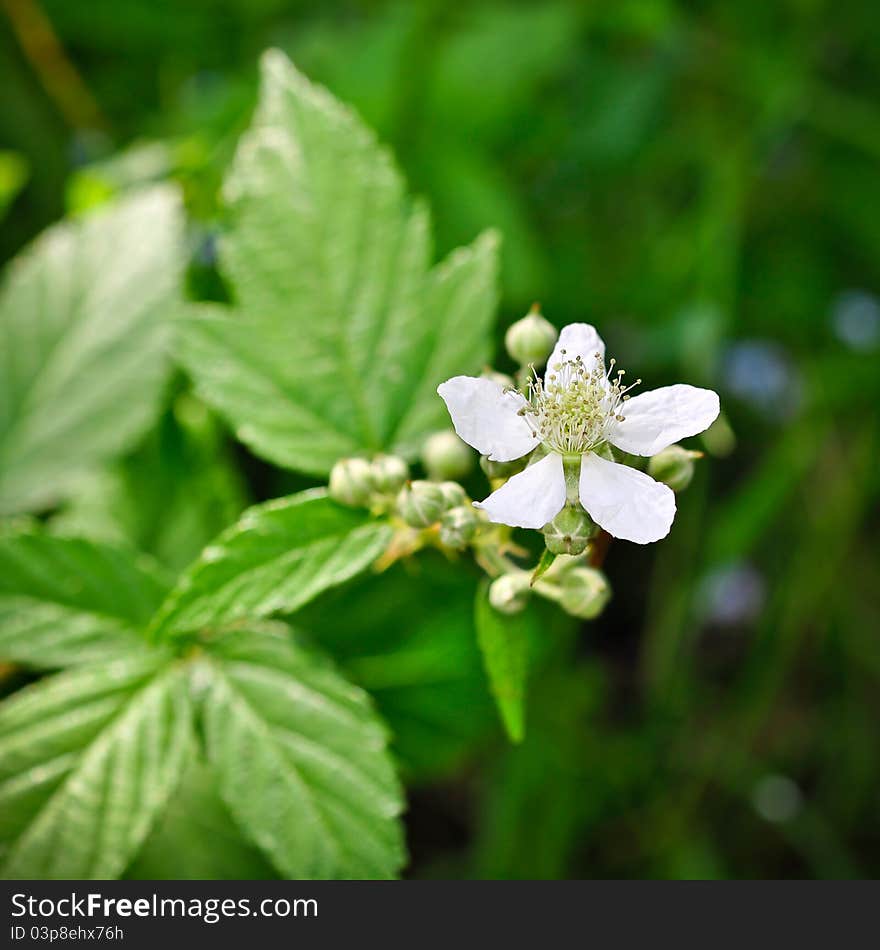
572 408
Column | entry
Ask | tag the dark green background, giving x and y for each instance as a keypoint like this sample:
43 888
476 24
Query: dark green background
702 181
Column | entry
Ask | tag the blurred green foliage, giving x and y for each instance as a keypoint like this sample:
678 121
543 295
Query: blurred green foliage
701 181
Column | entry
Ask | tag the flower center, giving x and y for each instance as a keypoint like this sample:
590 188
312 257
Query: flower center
573 407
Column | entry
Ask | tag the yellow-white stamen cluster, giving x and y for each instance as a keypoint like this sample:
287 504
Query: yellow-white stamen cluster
571 410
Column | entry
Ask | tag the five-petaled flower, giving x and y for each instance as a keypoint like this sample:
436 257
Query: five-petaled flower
576 413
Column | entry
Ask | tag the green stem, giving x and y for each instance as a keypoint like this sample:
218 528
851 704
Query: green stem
571 466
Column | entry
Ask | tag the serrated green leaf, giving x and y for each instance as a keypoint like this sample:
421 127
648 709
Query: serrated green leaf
196 838
278 556
68 601
505 640
88 759
301 758
169 498
342 333
82 340
407 637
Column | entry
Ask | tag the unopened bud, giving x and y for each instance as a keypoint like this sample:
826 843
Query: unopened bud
389 474
458 526
421 503
510 593
351 482
494 470
584 592
444 455
569 532
453 494
674 466
503 380
531 339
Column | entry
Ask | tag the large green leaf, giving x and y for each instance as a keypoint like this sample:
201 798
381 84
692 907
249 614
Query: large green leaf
407 637
342 332
88 759
170 497
82 341
300 758
279 556
68 601
196 838
505 640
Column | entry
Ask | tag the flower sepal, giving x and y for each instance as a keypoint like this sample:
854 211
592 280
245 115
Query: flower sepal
570 531
674 466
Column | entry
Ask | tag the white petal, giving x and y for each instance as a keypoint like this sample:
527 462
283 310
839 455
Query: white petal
577 339
531 498
658 418
485 416
626 503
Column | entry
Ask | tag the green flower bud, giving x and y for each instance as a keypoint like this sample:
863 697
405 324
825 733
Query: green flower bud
531 339
584 592
351 483
503 380
454 494
458 526
510 593
495 470
421 503
674 466
388 473
444 455
569 532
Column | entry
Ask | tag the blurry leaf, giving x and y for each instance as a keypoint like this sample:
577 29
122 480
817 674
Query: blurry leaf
506 51
551 787
67 601
505 642
13 176
300 759
619 105
342 333
468 190
197 838
82 334
407 636
279 556
172 496
360 60
748 513
88 759
544 564
141 163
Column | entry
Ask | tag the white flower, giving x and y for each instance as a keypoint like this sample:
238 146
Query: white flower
577 409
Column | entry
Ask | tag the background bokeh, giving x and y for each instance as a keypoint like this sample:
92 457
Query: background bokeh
702 181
